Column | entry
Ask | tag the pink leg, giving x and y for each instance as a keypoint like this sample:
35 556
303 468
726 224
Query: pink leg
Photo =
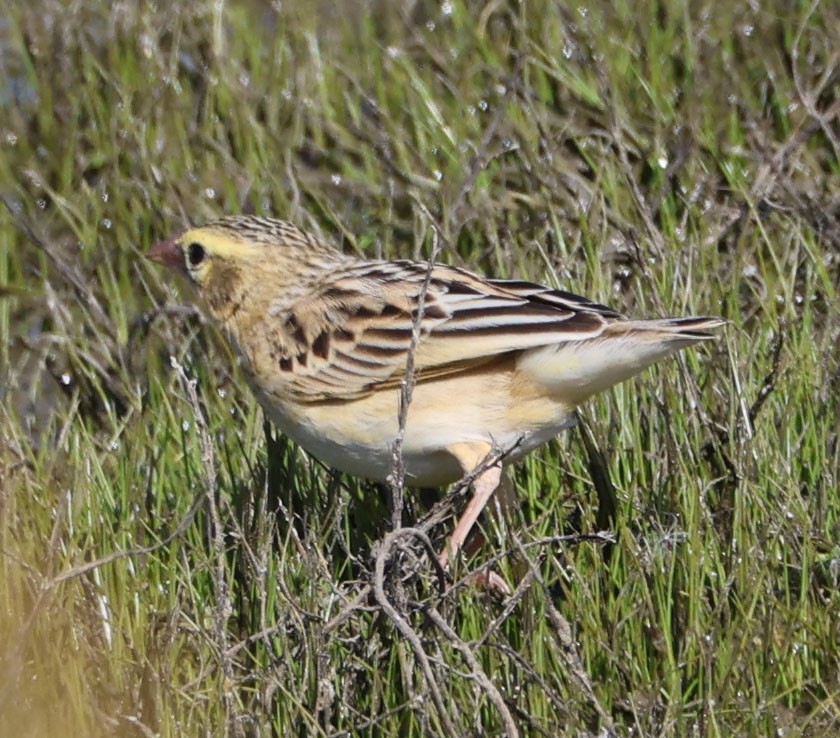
483 488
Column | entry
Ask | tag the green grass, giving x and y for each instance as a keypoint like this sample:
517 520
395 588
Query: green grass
170 568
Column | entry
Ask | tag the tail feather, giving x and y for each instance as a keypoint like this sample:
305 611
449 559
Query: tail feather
575 370
692 329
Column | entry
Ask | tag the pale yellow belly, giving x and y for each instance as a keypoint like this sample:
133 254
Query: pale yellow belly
358 436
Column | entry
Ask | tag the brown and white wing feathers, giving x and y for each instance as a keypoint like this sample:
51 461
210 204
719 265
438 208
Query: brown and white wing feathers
352 337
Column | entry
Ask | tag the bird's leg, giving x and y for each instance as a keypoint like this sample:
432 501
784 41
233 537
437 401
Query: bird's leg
483 487
470 456
499 508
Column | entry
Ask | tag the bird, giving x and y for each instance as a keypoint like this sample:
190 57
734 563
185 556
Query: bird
324 339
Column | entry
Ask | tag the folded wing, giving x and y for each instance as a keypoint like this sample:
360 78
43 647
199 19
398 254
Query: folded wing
354 336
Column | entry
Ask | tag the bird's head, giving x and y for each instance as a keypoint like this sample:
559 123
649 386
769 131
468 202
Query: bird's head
236 254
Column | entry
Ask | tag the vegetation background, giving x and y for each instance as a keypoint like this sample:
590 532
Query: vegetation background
170 567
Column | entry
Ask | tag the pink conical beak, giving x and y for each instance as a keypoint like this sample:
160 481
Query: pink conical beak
168 253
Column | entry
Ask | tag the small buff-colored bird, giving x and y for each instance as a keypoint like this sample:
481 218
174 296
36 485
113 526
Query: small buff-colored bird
324 339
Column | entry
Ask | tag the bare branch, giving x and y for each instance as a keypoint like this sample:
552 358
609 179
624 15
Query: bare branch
397 476
477 671
402 625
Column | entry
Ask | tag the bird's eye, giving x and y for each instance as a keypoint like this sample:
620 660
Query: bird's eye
195 254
